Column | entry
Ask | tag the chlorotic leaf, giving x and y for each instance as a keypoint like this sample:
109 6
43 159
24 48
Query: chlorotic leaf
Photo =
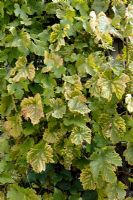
119 85
13 126
80 134
31 107
59 108
87 180
129 102
39 155
77 104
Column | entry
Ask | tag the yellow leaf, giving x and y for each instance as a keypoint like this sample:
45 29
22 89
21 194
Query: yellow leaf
32 108
13 126
39 155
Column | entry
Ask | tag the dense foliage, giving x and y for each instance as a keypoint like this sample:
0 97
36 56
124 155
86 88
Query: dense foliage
66 105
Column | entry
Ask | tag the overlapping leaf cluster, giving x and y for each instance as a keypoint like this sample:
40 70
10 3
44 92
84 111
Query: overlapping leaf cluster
66 105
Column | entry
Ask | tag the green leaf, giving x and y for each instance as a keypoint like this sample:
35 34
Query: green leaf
77 104
105 157
31 107
116 191
6 105
128 153
58 195
17 192
80 134
39 155
100 5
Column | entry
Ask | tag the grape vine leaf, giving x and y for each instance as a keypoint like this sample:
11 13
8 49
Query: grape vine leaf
105 157
13 126
129 102
128 153
21 71
17 192
39 155
32 108
59 108
116 191
77 104
80 134
87 180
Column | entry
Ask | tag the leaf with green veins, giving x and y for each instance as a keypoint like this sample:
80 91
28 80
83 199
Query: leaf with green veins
52 60
128 153
119 85
112 127
16 192
105 88
87 180
58 34
59 108
13 126
80 134
129 102
31 107
39 156
78 104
